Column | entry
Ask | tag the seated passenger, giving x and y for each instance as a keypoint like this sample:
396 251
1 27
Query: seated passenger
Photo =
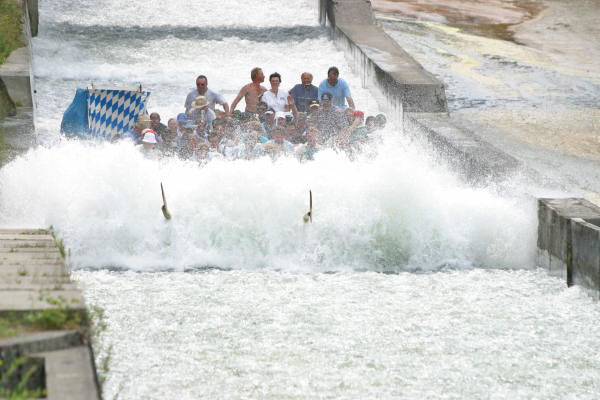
201 153
168 143
279 143
330 120
181 122
313 107
380 121
214 146
337 87
306 152
349 114
276 98
304 93
156 125
371 124
185 142
269 123
149 140
261 108
200 111
142 123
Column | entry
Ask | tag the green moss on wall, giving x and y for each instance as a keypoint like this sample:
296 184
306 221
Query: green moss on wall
11 19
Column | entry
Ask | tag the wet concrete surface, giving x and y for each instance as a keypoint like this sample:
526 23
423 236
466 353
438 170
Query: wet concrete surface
17 134
536 95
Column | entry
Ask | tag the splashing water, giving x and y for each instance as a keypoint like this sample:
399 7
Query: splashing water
390 213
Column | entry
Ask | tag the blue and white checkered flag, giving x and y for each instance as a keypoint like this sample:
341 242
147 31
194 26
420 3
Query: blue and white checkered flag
113 112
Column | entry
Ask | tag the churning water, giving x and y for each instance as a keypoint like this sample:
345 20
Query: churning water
234 297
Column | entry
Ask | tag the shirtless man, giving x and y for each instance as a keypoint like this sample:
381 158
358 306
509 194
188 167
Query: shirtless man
251 92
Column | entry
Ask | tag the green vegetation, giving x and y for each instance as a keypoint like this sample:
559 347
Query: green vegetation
63 316
59 243
11 19
103 355
21 371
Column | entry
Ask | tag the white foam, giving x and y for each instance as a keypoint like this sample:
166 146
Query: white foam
393 212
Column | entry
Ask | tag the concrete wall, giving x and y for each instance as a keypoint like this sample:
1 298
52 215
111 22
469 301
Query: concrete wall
416 99
381 61
17 71
569 241
585 245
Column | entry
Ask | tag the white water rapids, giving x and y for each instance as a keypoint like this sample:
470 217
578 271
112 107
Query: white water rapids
292 310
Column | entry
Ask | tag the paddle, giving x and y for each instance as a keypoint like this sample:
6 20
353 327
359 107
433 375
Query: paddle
308 216
164 209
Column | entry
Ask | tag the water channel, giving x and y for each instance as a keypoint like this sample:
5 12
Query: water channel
408 283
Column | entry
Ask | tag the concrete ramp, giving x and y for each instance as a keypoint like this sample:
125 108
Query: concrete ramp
381 60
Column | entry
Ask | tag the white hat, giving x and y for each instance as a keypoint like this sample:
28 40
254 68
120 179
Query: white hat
149 136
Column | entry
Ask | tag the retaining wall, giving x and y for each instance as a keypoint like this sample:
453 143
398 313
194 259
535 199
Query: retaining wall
380 60
17 71
415 98
569 241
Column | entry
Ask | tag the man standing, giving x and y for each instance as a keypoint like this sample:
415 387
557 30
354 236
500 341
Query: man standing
304 93
203 90
338 88
251 92
276 98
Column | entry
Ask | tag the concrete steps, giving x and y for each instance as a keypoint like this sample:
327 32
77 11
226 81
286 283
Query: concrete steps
35 283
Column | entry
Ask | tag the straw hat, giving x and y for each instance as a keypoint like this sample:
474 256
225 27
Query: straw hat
200 102
143 121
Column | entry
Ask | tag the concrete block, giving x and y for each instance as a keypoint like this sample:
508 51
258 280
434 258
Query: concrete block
70 374
586 256
34 300
555 234
35 342
15 73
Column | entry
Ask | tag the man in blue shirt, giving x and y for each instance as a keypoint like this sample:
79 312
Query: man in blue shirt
338 88
305 92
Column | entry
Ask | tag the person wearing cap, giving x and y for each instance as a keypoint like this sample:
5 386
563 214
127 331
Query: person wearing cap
269 123
276 98
148 140
201 113
337 87
313 107
305 92
181 122
251 92
203 90
330 120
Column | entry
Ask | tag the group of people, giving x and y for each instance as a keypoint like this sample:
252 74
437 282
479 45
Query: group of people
296 122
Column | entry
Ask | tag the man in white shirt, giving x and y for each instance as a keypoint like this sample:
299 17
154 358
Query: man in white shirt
276 98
